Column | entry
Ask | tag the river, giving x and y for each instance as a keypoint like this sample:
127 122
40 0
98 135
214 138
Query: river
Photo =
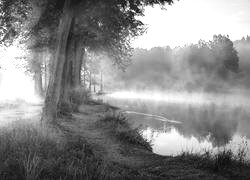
194 122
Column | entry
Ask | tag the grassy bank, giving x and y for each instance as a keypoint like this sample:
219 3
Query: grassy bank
119 127
31 151
224 163
102 145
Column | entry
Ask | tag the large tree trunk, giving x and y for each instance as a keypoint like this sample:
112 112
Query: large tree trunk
55 83
77 63
67 79
72 70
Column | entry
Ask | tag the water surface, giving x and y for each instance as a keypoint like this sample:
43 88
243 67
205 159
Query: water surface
177 122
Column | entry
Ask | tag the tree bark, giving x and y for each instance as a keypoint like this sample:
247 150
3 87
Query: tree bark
101 89
84 73
72 69
94 82
67 79
38 80
90 81
55 82
77 63
47 68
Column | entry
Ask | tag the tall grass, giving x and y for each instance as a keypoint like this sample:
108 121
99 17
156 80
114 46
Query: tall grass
119 126
31 151
224 161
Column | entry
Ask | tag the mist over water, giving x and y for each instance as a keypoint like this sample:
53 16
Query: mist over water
18 100
184 97
188 98
205 121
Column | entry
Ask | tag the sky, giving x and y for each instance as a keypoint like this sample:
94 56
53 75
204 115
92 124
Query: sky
188 21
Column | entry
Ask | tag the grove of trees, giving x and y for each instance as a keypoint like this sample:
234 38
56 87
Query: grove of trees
59 32
206 66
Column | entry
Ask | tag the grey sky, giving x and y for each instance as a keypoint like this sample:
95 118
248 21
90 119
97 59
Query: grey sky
187 21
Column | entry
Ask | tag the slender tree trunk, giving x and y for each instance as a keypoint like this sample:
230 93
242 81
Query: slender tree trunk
90 81
37 68
45 76
84 78
94 82
101 89
38 80
84 73
47 68
55 83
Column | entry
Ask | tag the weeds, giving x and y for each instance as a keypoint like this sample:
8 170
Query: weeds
224 161
120 127
30 152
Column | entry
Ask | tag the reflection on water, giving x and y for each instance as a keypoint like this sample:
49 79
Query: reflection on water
207 125
171 142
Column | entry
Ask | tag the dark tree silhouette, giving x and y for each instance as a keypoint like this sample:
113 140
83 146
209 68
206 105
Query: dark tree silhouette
224 51
100 25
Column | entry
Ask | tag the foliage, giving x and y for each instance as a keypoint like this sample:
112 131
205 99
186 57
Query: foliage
13 15
243 48
209 66
102 25
224 51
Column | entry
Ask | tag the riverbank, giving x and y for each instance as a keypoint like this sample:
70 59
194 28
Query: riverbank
97 142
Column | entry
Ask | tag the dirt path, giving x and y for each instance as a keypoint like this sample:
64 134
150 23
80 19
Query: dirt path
145 163
105 146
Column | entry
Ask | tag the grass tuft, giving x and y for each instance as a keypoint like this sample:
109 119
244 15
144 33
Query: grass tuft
224 161
30 152
120 128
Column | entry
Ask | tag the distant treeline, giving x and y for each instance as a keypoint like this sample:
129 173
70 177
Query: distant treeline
217 65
